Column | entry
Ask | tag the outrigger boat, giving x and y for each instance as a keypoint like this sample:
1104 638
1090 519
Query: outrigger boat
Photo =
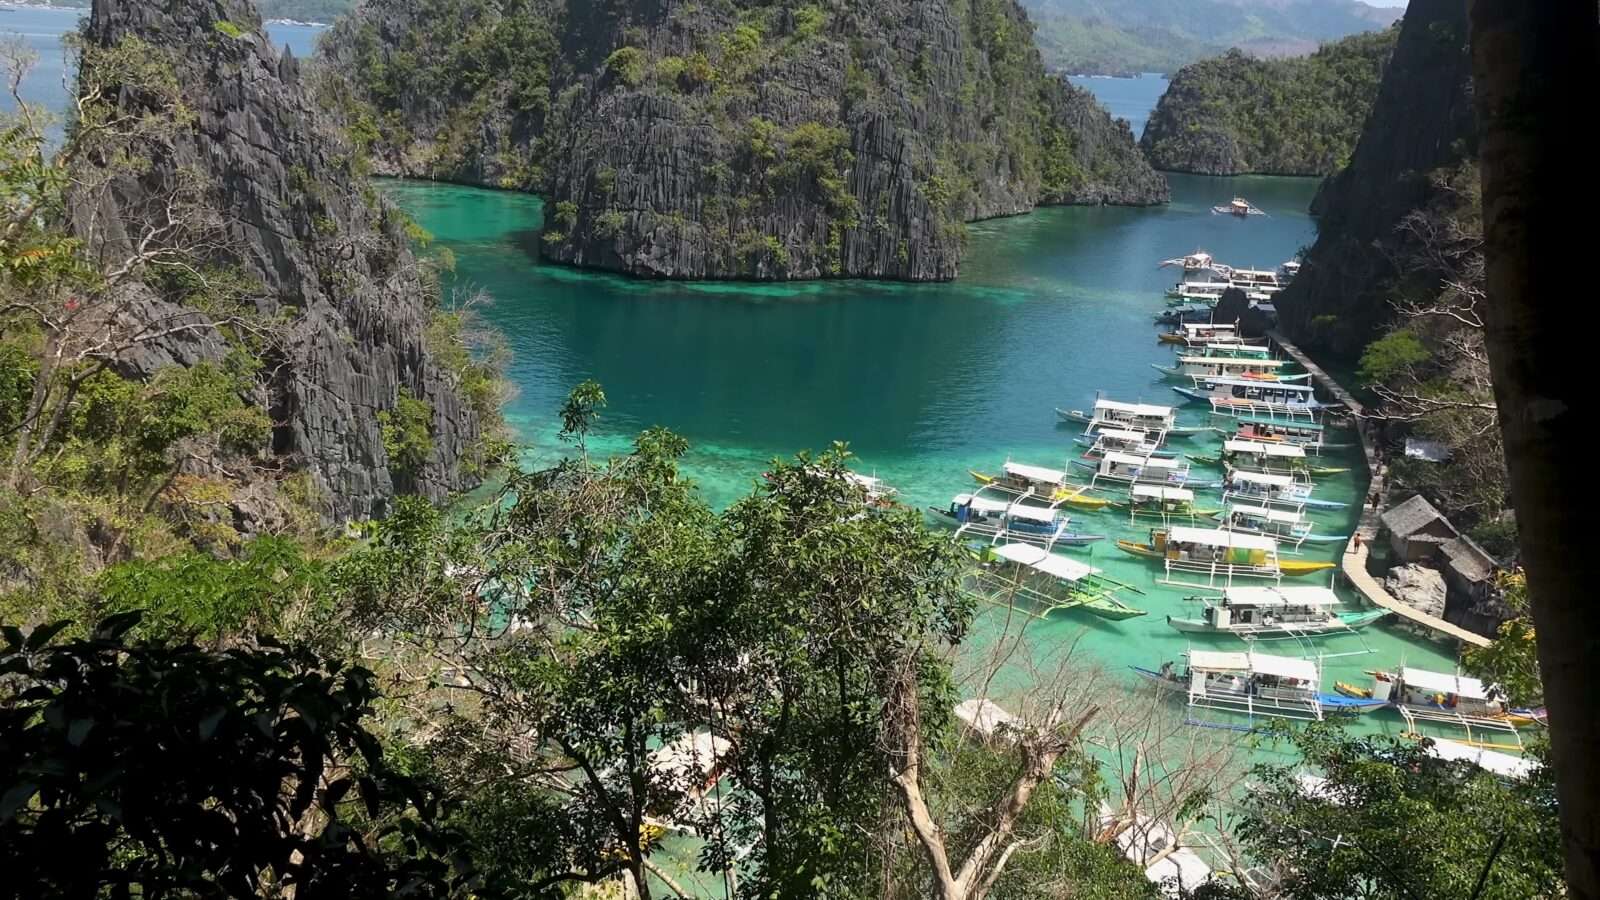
1259 456
1113 414
1308 435
1454 700
1244 395
1196 333
1056 582
1238 206
1128 468
1231 348
1198 261
1218 555
1012 520
879 493
1205 292
1210 367
1256 684
1048 485
1116 440
1274 489
1153 501
1288 270
1256 280
1289 526
1181 314
1250 612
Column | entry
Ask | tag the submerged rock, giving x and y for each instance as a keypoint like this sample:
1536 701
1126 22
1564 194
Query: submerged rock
736 139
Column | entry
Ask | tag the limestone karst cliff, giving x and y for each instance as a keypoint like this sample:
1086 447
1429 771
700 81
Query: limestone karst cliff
733 139
326 260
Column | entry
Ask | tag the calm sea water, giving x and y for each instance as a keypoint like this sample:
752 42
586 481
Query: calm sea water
1126 98
924 381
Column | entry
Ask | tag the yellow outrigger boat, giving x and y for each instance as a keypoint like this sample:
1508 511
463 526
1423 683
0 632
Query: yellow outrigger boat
1219 554
1018 478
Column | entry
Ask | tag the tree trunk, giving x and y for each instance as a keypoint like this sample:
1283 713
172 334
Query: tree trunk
1532 60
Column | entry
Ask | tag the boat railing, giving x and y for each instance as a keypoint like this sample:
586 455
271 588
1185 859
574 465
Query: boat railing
1412 715
1271 703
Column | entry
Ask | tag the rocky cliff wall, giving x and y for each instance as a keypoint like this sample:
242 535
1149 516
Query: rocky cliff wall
739 140
326 257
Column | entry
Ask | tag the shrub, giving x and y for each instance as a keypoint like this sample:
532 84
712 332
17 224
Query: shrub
627 64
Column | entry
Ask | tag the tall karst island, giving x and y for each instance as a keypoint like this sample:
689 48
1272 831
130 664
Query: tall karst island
733 139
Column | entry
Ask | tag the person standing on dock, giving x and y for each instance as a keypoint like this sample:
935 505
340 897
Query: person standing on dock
1377 498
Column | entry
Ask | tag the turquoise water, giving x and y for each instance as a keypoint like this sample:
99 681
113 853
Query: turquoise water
1126 98
924 381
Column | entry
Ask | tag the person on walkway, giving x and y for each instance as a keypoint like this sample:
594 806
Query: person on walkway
1358 542
1376 499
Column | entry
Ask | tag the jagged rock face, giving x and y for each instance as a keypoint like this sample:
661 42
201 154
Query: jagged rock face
1421 124
737 140
1418 587
327 251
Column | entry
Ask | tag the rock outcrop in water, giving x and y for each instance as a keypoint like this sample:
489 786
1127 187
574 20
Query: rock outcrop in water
1237 115
737 140
1419 139
325 255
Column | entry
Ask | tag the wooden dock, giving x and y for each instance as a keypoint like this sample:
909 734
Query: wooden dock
1354 564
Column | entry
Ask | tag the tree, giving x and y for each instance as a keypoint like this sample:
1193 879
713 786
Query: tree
1523 54
1392 822
156 770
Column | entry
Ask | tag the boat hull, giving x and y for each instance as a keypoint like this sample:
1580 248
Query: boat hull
1067 496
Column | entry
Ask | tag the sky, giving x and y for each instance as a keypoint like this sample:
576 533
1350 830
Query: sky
1386 2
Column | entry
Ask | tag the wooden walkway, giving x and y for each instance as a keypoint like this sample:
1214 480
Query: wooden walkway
1354 564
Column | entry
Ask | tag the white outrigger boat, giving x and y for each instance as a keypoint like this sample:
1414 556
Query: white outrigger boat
1164 504
1231 348
1310 436
1191 334
1245 368
1044 485
1442 699
1012 520
1238 206
1273 489
1116 415
1129 468
1116 440
1198 261
1205 292
1252 612
1055 582
1270 458
1242 395
1256 684
1220 556
1256 279
1288 270
1288 526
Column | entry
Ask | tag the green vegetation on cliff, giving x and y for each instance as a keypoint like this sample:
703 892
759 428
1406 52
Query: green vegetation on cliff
1126 37
1235 115
735 138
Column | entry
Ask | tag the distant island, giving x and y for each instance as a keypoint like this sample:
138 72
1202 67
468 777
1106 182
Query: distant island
1236 115
1126 37
287 12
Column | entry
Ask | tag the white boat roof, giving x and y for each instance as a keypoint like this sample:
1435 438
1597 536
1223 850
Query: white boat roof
1154 462
1280 596
1042 560
1033 513
1493 761
984 715
1180 867
1255 273
1137 409
1216 537
1034 473
1219 661
1263 478
1288 517
1460 685
1124 434
1284 666
1156 491
1270 448
1234 361
1208 326
1274 385
981 503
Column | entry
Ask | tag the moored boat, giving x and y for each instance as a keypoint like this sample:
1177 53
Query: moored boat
1220 556
1274 489
1055 582
1011 520
1456 701
1163 503
1309 435
1047 485
1128 468
1191 367
1256 684
1116 440
1148 417
1274 611
1290 526
1245 395
1238 206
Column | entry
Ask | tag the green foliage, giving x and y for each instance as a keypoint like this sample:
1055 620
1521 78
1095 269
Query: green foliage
150 769
408 432
809 21
740 45
627 64
1511 659
565 215
814 153
609 224
1393 823
1391 356
228 29
1300 116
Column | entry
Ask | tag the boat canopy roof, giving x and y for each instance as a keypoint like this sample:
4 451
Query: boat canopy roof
1136 409
1284 667
1262 478
985 716
1216 537
1307 427
865 481
1280 596
1042 560
1122 434
1193 327
1286 516
1129 459
1161 492
1504 765
1288 386
1287 451
1254 273
1033 513
1241 361
1460 685
1219 661
981 503
1034 473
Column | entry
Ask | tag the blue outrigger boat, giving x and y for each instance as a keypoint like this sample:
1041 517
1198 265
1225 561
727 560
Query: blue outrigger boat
1011 521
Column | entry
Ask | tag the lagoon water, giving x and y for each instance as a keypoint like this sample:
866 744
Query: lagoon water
925 382
1126 98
